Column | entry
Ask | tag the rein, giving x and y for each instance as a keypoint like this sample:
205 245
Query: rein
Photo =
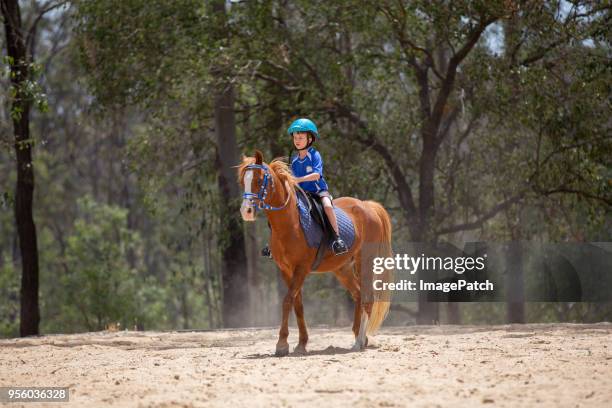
263 191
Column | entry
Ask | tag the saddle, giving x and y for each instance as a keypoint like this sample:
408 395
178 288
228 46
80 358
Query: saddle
316 227
317 212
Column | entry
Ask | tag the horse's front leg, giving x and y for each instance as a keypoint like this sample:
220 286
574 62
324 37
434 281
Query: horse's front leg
299 314
294 287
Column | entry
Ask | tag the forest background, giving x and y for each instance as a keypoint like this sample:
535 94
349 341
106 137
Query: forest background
121 121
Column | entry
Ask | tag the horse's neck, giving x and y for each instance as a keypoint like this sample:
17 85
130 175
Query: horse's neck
281 220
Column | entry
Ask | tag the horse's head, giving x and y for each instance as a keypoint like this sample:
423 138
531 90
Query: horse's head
255 178
258 184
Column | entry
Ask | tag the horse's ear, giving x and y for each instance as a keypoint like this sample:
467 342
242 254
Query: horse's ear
258 157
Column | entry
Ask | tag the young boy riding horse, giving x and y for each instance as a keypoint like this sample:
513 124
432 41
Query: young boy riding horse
273 189
307 168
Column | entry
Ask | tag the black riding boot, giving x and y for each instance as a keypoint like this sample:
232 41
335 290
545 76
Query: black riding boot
338 246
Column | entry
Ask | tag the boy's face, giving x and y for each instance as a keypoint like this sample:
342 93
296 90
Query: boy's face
300 139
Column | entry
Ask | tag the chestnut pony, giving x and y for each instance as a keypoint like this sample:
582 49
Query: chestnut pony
272 188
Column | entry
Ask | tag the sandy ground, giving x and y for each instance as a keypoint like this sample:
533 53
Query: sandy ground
530 365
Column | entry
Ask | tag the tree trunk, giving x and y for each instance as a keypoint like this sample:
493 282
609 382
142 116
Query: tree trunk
233 258
454 314
429 312
515 290
20 108
207 284
185 305
515 308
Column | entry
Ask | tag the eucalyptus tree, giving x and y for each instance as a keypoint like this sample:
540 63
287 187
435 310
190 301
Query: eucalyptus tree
20 35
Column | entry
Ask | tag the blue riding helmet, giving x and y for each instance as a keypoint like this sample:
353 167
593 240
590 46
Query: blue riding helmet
303 125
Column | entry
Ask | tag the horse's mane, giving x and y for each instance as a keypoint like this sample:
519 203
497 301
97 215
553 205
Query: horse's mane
277 166
283 171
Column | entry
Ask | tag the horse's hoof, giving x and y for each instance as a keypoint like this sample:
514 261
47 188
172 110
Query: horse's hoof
366 342
282 351
358 346
300 349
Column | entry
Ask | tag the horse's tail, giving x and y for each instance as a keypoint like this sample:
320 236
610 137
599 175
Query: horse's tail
380 308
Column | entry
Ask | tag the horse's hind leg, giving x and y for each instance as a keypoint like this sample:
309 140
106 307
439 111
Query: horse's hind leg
361 340
348 277
365 304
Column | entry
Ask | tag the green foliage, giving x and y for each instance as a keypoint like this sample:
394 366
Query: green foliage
29 89
132 49
9 307
100 286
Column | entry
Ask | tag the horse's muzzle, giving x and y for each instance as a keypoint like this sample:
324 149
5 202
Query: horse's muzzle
247 210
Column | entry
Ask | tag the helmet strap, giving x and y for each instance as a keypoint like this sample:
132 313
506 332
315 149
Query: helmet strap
312 139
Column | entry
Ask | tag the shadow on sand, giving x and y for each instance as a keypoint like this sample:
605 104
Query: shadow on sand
329 351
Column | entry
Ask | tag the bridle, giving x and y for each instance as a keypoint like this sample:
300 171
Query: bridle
261 195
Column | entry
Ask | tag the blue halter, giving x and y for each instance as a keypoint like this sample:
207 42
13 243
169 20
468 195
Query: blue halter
263 190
